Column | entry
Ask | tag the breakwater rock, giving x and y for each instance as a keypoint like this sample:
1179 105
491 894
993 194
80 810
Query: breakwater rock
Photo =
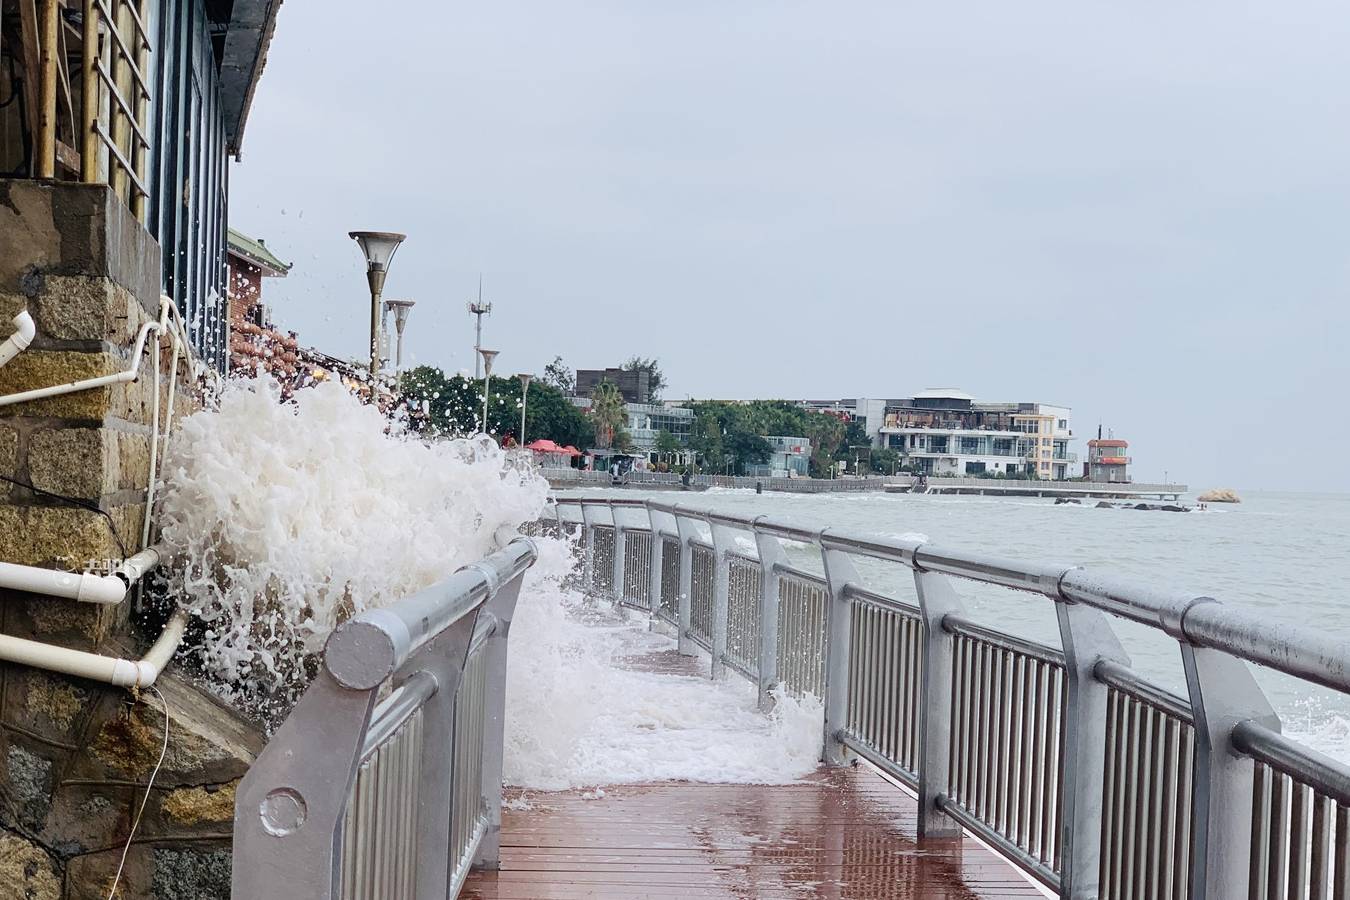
1219 495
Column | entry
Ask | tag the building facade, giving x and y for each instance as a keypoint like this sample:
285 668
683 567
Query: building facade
948 432
1107 460
633 384
790 458
646 421
256 345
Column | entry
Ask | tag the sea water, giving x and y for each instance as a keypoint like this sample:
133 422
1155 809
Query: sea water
1281 555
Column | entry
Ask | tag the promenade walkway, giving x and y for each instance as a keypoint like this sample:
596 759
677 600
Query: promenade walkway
840 833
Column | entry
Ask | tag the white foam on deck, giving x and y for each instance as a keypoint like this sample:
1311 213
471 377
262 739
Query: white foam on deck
577 717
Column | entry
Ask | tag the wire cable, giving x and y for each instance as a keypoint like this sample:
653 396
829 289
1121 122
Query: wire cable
79 502
164 751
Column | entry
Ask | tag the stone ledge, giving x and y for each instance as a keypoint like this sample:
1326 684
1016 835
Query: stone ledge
54 228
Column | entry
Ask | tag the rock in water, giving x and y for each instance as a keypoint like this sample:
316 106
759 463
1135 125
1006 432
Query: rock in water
1220 495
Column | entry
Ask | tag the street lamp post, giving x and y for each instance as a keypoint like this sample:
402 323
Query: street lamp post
525 378
401 310
378 247
488 357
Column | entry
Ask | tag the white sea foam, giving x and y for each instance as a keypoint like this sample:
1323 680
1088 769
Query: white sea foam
576 717
287 517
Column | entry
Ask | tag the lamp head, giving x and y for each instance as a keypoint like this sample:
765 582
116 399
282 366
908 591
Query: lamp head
401 309
525 379
488 357
378 246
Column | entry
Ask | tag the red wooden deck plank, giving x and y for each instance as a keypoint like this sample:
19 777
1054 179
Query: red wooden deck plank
843 833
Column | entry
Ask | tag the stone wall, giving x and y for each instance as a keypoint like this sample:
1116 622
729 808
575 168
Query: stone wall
74 755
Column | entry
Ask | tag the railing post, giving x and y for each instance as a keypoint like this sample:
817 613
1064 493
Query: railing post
619 542
501 607
684 618
289 808
588 547
839 572
1088 639
655 569
444 659
723 542
770 555
1223 693
937 599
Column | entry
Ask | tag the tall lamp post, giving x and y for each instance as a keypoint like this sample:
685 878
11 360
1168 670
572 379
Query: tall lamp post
525 379
379 247
401 309
488 357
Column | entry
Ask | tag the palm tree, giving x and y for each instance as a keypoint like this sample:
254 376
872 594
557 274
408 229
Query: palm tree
609 414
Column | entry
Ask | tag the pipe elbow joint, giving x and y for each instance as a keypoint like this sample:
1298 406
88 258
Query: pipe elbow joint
25 329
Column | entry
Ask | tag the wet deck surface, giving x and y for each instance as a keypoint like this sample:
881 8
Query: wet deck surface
845 833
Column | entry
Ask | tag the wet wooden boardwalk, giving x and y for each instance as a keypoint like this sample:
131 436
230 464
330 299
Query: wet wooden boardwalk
844 833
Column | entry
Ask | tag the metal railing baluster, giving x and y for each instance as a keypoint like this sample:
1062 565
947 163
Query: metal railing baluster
839 573
937 600
771 556
1222 693
1087 639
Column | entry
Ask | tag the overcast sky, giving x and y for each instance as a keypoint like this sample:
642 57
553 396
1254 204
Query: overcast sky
1137 210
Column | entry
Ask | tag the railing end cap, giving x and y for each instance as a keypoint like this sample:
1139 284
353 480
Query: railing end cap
366 650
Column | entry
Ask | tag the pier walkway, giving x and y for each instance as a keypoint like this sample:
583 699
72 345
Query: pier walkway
844 832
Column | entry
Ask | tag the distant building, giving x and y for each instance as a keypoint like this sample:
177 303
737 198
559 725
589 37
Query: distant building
256 346
791 457
646 421
948 432
633 384
1107 460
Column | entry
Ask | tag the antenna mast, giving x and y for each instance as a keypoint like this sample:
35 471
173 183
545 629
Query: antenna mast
478 310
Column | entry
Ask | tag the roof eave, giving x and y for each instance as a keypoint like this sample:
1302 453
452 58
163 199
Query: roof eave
244 40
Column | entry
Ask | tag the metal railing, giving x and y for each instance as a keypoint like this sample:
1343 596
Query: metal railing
385 779
1064 759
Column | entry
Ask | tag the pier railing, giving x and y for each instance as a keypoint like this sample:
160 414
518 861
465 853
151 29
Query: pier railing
1071 764
385 780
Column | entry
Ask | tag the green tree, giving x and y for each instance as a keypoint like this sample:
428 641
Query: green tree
656 379
609 416
438 406
666 442
558 375
885 461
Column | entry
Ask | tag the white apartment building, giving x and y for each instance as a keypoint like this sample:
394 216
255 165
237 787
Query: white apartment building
948 432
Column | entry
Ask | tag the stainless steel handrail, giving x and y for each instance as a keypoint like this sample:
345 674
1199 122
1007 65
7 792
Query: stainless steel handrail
1065 759
356 799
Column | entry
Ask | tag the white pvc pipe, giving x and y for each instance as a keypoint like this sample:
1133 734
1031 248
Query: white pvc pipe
24 332
89 383
107 669
108 589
